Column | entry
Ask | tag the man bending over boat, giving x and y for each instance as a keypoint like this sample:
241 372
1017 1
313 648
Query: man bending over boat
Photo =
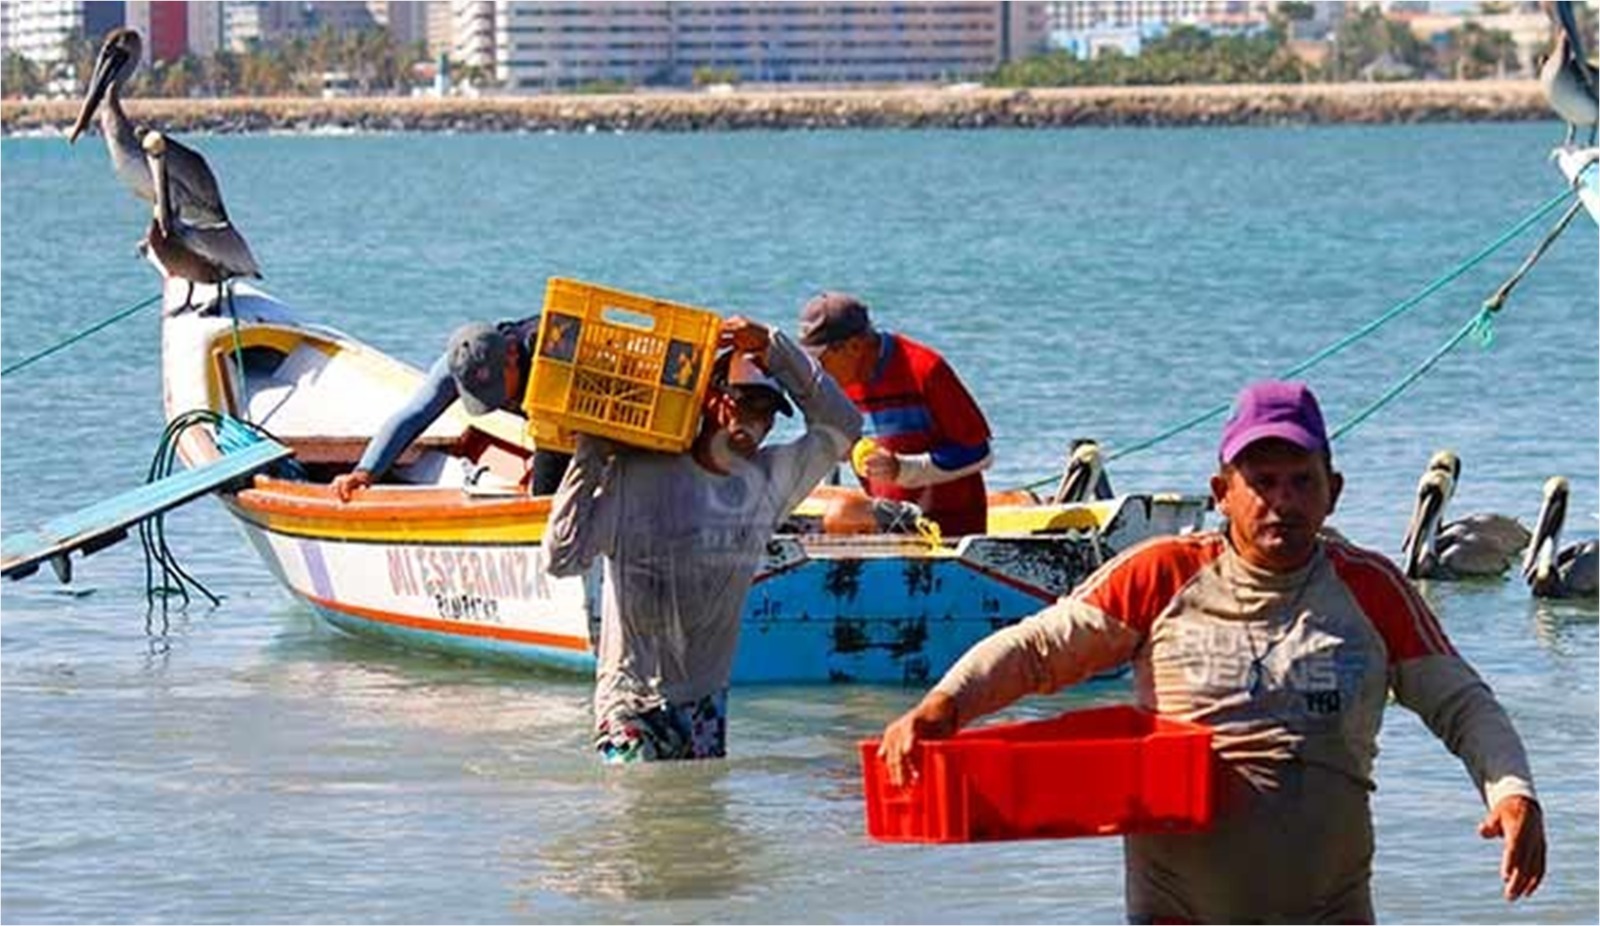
1286 644
682 536
931 441
486 367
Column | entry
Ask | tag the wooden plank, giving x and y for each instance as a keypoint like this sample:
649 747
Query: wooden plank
105 522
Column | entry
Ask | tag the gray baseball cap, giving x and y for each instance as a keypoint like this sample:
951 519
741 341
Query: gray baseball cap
478 365
832 317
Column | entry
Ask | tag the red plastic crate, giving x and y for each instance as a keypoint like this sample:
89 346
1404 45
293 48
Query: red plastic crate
1085 773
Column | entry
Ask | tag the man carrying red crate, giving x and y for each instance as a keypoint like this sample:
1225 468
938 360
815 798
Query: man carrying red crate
681 536
1286 642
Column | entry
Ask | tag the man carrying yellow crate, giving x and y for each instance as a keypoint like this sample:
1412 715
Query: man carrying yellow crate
682 535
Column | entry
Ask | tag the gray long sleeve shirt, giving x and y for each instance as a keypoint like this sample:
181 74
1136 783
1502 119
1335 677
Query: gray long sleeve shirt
681 544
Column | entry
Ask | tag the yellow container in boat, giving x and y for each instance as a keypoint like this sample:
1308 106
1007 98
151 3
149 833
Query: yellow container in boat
859 454
619 365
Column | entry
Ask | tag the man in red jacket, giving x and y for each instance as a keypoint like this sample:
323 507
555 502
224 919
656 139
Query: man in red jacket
932 442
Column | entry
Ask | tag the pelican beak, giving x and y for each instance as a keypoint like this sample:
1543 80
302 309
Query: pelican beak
1424 526
1537 566
1083 472
106 68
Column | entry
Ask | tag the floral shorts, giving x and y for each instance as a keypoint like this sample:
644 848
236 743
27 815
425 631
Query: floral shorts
692 730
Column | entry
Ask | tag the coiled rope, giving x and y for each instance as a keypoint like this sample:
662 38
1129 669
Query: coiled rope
174 581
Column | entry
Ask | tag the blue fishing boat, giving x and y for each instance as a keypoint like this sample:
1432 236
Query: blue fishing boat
446 553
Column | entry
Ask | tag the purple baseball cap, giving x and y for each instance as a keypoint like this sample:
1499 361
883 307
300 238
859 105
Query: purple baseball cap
1274 408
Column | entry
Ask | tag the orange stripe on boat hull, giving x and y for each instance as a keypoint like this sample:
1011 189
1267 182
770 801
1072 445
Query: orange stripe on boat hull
453 628
391 516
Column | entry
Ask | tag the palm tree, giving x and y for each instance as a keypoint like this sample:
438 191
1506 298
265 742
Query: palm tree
21 76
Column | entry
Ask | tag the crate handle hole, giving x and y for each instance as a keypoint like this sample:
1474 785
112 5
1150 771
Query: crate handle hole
621 316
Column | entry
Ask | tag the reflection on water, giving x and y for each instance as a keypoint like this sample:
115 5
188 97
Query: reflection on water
658 831
1565 626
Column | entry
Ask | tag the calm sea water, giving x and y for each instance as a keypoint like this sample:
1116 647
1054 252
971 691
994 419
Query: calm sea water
247 765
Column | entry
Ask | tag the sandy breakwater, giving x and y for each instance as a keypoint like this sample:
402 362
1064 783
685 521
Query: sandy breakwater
1301 104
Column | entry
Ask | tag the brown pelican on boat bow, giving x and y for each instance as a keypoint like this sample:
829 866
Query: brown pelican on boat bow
210 254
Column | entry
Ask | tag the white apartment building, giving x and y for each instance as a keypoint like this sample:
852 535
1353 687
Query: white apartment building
1086 15
38 30
472 28
549 45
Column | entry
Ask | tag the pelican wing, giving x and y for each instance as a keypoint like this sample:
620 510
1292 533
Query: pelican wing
1567 19
1497 530
222 246
1579 567
195 193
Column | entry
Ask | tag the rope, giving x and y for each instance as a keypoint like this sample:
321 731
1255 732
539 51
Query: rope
1499 298
1480 323
1389 315
174 581
119 316
238 351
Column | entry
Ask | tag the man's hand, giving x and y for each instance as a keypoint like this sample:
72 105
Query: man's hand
345 486
882 466
746 337
1521 822
933 719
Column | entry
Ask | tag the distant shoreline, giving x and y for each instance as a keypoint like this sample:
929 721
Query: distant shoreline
893 108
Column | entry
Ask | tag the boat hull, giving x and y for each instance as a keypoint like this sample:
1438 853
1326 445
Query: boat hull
437 561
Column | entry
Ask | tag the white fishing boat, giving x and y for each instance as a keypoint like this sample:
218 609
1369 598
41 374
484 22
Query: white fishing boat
444 554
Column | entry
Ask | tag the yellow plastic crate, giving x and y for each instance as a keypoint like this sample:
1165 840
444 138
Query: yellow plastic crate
619 365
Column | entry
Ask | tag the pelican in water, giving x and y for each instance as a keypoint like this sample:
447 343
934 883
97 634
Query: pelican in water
1568 77
1476 545
211 254
192 192
1551 571
1084 478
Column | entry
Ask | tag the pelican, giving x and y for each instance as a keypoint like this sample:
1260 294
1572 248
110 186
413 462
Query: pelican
1568 77
1476 545
1569 573
1084 478
195 199
197 253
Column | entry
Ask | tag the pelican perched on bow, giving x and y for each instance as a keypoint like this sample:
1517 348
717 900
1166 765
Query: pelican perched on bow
210 254
1568 77
1084 478
1551 571
192 192
1476 545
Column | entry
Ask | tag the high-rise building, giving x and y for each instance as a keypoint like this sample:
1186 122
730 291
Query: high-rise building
1082 15
101 18
247 22
406 20
472 30
40 30
441 31
549 45
164 25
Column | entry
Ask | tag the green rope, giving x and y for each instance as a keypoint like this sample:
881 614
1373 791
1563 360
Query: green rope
79 336
1392 313
1480 324
238 351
